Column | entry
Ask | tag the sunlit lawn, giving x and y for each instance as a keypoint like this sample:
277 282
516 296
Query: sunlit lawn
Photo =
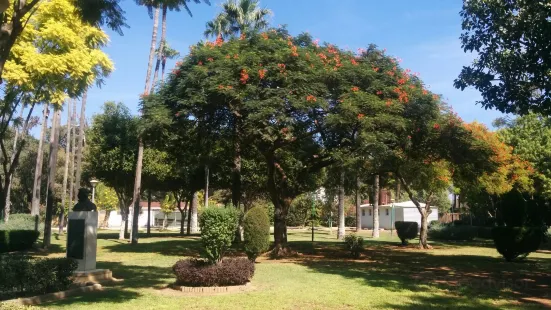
452 275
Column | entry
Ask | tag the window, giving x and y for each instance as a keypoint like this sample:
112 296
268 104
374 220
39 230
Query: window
386 212
369 212
363 212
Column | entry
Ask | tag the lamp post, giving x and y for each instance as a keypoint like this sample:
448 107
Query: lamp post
94 182
391 216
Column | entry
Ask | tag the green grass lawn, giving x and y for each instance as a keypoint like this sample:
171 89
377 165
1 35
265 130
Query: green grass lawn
387 276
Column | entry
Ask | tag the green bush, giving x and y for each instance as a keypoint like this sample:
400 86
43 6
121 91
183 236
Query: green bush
22 222
350 221
434 223
218 227
17 240
517 242
23 276
406 230
354 244
256 225
453 233
484 232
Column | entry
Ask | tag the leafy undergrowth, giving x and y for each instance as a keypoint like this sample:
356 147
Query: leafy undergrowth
458 275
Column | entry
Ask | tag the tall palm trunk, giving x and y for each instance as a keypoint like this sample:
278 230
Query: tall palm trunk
193 213
207 185
35 206
340 231
73 153
149 212
358 204
66 170
376 206
160 52
80 143
138 175
236 173
7 207
54 139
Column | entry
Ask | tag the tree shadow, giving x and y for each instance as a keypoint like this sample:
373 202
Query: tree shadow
176 247
103 234
461 275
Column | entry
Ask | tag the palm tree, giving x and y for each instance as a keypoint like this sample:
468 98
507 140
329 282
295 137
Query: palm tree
238 17
162 56
35 206
150 4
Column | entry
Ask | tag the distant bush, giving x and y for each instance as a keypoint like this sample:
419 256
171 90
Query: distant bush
22 222
354 244
23 276
434 223
350 221
484 232
406 230
256 225
453 233
517 242
199 272
459 223
218 227
17 240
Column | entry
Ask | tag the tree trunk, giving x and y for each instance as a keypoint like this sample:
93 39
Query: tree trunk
122 228
340 230
358 204
160 51
52 167
73 153
193 213
35 207
18 132
206 186
398 194
236 171
376 190
149 212
106 218
183 216
80 143
424 231
165 220
152 50
163 65
137 191
65 171
126 220
189 218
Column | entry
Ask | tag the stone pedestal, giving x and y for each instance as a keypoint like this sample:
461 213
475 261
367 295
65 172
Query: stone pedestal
82 239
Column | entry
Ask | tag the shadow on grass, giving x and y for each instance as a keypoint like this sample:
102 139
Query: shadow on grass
111 234
460 275
135 277
176 247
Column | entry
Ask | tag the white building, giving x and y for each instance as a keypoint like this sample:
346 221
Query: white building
402 211
156 217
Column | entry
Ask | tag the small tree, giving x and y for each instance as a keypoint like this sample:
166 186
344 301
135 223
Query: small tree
106 200
218 226
168 206
257 232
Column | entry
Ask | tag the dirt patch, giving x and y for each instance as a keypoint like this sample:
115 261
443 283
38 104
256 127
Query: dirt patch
176 290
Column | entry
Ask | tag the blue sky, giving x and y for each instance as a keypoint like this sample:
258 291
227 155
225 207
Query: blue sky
425 34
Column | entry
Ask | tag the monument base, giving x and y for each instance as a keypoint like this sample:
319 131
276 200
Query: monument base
94 276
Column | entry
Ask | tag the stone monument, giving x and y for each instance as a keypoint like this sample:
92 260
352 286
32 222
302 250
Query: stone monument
82 239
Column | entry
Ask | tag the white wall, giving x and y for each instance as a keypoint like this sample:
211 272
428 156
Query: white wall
400 214
115 219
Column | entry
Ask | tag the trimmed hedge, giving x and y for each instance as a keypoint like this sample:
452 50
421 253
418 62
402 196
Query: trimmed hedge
22 222
453 233
24 276
200 272
517 242
406 230
218 227
484 232
17 240
354 244
256 225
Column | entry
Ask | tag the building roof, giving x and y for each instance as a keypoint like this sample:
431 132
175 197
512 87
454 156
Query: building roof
155 205
403 204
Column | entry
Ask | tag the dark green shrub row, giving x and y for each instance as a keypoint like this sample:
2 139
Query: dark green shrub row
17 240
256 225
350 221
200 272
517 242
354 244
218 228
24 276
484 232
22 222
406 230
453 232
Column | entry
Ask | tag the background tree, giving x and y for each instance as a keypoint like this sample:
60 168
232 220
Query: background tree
512 68
107 201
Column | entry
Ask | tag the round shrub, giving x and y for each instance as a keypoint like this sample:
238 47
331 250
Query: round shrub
517 242
354 244
199 272
17 240
256 225
453 233
218 227
406 230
